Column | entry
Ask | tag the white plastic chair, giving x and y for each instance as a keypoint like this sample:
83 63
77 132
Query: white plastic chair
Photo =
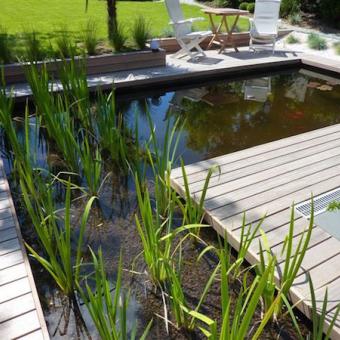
186 38
264 25
258 89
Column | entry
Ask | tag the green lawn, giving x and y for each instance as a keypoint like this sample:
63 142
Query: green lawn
47 16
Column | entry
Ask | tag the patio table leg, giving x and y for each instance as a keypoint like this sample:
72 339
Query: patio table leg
230 34
216 31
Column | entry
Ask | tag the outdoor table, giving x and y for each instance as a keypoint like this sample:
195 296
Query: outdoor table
218 37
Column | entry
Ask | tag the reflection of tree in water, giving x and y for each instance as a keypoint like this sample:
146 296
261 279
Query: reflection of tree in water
222 121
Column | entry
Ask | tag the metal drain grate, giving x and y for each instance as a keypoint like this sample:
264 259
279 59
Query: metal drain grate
321 203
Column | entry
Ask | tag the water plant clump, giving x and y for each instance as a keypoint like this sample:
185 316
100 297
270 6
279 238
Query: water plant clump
73 220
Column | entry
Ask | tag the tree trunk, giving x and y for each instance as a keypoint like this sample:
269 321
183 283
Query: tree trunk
111 17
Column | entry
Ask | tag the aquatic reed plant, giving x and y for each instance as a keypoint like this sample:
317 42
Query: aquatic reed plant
90 36
140 32
75 95
55 116
91 164
55 236
237 321
185 317
293 257
161 157
108 311
192 211
247 237
6 53
113 137
318 316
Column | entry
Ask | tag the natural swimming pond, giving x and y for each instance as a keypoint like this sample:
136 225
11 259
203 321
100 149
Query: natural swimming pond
216 119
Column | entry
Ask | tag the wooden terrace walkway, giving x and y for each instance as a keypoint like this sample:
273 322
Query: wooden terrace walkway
267 179
21 316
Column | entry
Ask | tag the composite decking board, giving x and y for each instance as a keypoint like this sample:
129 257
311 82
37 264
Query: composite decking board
276 242
240 169
20 309
16 306
283 202
266 186
328 272
12 273
7 222
271 190
257 150
226 205
229 182
14 289
9 246
20 326
36 335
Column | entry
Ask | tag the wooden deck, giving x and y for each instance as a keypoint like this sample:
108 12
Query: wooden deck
267 179
21 316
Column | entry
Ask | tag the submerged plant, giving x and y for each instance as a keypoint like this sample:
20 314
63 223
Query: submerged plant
108 313
5 46
55 236
140 32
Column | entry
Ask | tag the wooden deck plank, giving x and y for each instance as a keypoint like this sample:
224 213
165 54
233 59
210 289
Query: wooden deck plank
281 172
20 326
245 173
226 206
287 180
17 306
256 150
37 335
14 289
20 309
283 202
12 273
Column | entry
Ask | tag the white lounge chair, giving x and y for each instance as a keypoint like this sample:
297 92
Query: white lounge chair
186 38
264 25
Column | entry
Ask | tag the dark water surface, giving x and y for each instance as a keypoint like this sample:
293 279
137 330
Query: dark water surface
218 119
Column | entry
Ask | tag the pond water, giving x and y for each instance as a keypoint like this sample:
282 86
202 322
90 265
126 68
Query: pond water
217 119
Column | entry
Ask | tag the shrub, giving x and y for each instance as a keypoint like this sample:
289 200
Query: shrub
337 48
251 7
33 49
289 7
243 6
295 18
292 39
119 38
65 43
90 36
5 46
315 42
140 32
330 11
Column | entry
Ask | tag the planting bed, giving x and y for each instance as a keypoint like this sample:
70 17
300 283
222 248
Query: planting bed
217 119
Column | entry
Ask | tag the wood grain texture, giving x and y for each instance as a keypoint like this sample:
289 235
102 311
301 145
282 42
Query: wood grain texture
267 180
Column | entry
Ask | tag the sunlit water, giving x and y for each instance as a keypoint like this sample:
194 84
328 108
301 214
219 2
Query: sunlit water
217 119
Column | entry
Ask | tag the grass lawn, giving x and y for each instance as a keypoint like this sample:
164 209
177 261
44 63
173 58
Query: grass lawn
48 17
